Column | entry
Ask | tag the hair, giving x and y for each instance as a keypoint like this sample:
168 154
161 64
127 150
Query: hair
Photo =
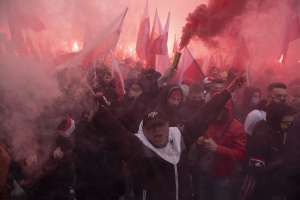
272 86
248 94
275 113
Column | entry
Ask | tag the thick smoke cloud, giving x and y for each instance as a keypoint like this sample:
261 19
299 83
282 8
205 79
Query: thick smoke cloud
221 32
210 20
33 97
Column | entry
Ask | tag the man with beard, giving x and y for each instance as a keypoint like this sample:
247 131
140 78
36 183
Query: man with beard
277 93
292 158
266 154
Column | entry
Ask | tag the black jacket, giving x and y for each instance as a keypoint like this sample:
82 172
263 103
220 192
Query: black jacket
154 177
99 172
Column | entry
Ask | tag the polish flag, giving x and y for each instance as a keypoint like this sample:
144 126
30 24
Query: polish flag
143 35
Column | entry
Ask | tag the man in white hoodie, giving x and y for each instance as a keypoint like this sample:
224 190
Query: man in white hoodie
157 155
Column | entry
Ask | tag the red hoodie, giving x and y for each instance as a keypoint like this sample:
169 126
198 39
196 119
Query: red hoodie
231 146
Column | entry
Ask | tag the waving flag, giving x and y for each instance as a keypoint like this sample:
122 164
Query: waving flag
155 46
165 36
143 35
107 43
189 72
162 62
102 45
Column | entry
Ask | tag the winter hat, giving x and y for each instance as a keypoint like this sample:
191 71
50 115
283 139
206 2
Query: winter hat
154 119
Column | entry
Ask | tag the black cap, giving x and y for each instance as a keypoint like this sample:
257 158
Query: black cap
154 119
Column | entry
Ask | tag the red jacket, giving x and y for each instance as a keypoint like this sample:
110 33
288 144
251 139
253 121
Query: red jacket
231 147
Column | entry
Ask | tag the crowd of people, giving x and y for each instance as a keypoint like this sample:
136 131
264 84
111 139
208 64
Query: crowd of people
212 140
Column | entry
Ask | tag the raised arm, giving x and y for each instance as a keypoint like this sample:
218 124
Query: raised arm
195 127
199 123
126 143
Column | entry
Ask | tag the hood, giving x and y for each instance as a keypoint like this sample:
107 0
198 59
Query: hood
167 92
171 152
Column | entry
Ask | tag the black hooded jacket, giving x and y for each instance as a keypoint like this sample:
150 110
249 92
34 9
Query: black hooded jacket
155 178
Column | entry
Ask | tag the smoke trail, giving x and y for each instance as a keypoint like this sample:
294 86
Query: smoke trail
207 21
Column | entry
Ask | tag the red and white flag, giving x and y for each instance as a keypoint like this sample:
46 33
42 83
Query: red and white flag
162 62
165 35
155 45
107 42
100 46
189 72
143 35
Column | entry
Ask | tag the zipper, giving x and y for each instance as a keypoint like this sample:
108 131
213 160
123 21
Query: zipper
144 195
176 181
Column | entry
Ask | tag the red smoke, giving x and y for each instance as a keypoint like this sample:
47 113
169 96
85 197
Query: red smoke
209 20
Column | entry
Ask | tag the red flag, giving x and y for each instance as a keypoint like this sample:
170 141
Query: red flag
106 43
162 62
155 46
165 36
189 71
143 35
292 33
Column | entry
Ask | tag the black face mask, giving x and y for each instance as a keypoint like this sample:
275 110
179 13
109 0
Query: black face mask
276 104
274 114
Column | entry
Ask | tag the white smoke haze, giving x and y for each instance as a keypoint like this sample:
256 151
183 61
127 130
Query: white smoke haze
27 90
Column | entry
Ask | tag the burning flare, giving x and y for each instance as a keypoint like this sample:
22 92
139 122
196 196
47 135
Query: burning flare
75 47
281 59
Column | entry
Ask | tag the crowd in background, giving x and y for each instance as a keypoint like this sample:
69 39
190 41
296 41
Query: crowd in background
216 139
